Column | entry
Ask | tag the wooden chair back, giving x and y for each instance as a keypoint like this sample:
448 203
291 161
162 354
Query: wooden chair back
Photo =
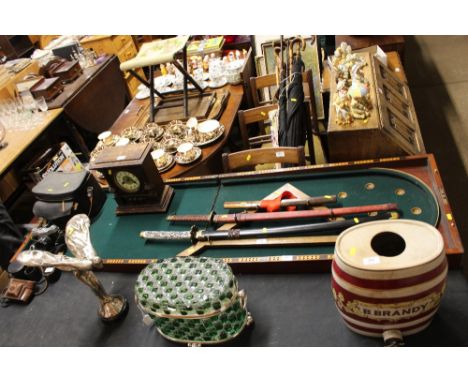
260 83
250 116
248 159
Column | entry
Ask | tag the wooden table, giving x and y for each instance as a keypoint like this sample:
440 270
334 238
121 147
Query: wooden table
18 143
95 99
136 114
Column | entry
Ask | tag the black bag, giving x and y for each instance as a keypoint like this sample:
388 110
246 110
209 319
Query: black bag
60 195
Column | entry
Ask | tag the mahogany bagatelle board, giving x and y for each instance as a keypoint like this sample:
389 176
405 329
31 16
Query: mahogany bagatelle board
421 168
117 240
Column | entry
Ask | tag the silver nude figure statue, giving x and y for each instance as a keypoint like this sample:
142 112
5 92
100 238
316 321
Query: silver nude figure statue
77 238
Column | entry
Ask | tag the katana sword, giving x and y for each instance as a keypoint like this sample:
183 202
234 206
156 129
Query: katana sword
195 234
213 218
257 204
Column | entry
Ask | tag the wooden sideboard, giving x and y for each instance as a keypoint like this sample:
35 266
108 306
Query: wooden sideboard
19 143
123 47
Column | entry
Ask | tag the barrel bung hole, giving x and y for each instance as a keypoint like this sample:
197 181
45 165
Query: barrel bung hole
388 244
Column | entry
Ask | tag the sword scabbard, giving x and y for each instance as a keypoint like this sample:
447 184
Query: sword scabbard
242 205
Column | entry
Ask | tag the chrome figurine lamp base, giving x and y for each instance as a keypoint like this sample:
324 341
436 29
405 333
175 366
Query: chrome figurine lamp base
77 238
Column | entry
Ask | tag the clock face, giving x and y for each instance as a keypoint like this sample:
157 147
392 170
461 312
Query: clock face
127 181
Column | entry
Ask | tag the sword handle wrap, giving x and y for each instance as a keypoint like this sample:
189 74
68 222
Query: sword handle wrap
166 235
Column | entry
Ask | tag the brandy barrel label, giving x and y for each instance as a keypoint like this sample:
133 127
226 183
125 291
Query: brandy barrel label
391 312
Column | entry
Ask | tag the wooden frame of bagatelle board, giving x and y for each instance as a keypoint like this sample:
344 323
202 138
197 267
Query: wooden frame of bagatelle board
421 166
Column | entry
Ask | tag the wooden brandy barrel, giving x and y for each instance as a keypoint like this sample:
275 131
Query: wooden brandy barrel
388 277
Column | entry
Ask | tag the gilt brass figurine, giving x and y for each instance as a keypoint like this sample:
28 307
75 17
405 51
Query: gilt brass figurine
77 238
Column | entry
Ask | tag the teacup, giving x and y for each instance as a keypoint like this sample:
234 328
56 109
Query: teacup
122 142
161 158
104 135
110 140
171 145
186 151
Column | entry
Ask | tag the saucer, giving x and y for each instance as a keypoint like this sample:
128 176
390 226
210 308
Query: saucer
179 156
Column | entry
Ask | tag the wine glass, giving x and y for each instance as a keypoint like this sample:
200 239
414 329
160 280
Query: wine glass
42 104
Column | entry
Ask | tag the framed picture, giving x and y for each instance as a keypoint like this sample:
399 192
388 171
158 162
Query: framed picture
311 61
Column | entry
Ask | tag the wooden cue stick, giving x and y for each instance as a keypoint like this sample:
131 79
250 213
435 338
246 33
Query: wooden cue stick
264 242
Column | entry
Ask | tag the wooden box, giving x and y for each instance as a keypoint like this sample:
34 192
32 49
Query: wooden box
67 71
391 130
48 88
29 83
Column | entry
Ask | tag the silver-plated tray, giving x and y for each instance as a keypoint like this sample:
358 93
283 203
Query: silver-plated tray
198 154
206 143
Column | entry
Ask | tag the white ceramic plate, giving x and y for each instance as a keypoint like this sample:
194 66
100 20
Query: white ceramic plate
143 94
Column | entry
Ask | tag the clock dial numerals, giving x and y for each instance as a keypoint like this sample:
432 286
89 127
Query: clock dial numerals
127 181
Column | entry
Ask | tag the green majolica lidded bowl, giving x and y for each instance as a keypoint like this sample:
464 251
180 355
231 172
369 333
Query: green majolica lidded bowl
192 300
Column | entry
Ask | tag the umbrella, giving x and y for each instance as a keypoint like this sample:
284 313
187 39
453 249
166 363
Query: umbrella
293 133
282 98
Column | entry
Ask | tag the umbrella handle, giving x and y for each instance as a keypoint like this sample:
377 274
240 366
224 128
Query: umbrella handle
301 42
291 54
277 52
